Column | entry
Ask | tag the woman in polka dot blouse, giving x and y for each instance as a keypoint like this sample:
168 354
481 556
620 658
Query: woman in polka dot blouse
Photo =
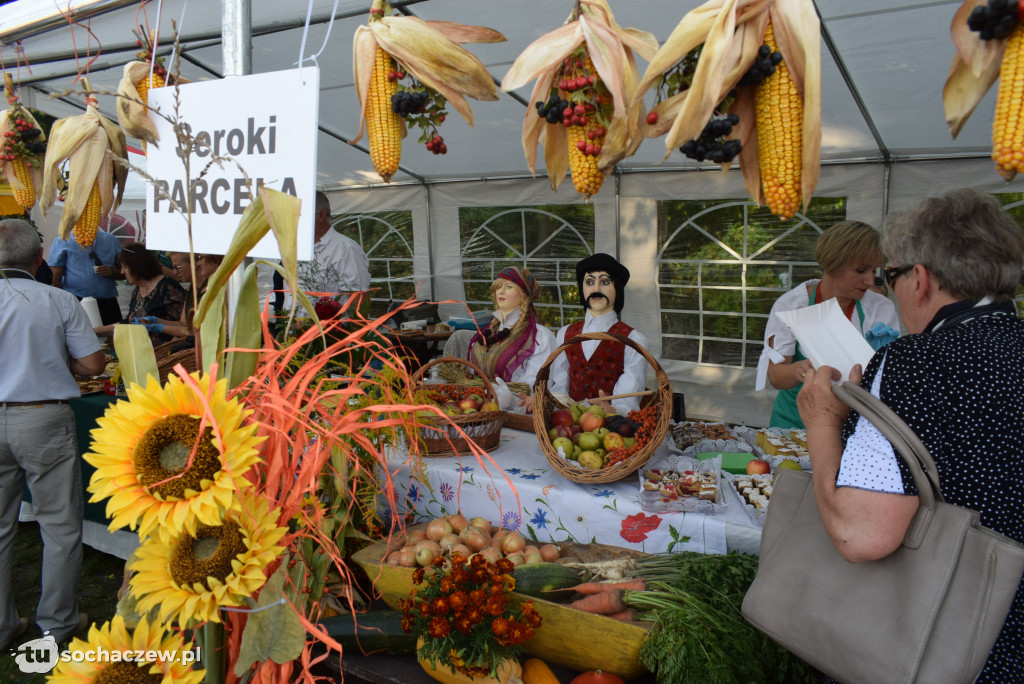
957 380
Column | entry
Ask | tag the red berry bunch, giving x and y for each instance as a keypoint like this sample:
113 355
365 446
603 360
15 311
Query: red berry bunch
23 141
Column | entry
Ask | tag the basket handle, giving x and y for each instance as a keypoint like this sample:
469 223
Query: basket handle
418 374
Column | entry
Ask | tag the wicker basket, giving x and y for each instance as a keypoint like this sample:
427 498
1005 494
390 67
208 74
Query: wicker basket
166 360
441 438
545 404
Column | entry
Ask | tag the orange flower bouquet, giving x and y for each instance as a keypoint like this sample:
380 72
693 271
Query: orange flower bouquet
465 617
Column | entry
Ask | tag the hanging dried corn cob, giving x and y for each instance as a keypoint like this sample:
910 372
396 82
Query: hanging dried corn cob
138 79
84 142
586 77
383 125
780 113
442 71
22 144
989 39
723 100
89 222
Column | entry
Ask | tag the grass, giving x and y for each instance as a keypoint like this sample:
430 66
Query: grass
101 578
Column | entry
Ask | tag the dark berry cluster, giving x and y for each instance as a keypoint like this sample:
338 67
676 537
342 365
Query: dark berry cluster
997 20
711 145
763 66
406 102
22 141
552 110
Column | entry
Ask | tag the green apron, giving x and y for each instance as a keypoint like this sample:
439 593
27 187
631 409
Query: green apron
784 411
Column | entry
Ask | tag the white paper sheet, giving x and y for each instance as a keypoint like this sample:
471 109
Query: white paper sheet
827 337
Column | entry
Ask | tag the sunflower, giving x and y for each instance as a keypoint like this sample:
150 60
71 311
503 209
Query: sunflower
191 575
142 454
113 638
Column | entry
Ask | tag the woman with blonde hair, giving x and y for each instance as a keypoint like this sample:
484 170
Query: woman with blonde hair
513 346
849 253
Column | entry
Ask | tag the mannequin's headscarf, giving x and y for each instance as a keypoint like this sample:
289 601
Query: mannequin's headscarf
596 263
500 352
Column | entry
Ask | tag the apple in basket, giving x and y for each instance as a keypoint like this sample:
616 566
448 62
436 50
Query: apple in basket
613 440
563 443
561 417
489 406
591 421
470 402
758 466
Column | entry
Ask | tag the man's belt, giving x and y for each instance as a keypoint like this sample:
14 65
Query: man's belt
41 402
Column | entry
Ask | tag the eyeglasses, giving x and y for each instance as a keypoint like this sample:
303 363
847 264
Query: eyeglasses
178 267
891 273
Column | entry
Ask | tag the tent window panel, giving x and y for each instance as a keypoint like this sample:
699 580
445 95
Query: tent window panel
681 348
548 240
675 323
479 293
725 353
387 239
680 298
722 260
1013 204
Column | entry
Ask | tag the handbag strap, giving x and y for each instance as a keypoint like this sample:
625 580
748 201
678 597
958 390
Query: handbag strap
907 444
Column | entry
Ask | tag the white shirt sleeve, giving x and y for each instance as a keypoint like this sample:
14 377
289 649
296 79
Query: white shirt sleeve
869 461
783 342
558 371
634 375
545 345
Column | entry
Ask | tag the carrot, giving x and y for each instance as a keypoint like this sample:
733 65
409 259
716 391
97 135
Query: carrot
625 615
606 602
589 588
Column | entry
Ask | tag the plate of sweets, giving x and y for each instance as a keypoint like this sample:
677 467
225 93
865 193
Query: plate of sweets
682 484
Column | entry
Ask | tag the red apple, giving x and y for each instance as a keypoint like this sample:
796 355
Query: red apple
590 422
576 429
562 431
561 417
758 466
469 403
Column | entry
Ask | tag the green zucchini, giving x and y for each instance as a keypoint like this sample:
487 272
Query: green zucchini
545 580
372 632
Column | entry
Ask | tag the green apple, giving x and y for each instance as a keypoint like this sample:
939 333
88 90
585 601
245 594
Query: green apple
589 441
788 464
630 441
596 410
563 443
601 432
576 411
553 434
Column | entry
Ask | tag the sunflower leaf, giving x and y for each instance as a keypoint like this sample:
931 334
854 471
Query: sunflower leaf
246 331
135 354
274 632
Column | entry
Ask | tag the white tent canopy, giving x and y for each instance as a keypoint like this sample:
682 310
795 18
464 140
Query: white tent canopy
884 138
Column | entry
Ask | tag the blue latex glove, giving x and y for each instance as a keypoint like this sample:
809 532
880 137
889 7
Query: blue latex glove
880 335
150 323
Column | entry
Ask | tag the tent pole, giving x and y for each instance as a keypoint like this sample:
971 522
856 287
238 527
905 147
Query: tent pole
430 242
236 43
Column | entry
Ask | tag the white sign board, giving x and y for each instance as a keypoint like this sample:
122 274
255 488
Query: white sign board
264 124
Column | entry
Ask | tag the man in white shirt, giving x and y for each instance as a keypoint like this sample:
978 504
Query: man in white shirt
45 336
600 367
339 264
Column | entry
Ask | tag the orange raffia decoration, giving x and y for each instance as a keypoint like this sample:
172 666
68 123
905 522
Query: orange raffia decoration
319 429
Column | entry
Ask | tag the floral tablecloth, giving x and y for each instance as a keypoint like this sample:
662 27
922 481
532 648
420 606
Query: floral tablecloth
516 487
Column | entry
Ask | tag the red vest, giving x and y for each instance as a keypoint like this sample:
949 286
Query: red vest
603 369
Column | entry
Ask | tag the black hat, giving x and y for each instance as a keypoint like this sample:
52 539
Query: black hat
607 263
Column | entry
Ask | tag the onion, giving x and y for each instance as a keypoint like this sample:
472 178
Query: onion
438 528
448 542
550 552
426 551
531 554
416 536
516 558
407 557
461 550
513 543
492 554
458 522
482 523
475 538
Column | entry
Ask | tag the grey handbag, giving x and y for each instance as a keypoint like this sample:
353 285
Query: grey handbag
929 612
